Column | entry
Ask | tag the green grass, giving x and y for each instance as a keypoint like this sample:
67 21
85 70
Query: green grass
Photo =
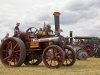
91 66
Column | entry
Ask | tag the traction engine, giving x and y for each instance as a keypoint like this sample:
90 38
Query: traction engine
37 45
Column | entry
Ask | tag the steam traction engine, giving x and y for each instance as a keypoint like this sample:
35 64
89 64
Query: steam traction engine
31 47
82 49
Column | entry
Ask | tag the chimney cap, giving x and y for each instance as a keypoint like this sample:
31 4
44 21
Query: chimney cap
71 31
56 13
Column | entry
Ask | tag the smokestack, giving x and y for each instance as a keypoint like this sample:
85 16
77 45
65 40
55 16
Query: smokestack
56 18
71 39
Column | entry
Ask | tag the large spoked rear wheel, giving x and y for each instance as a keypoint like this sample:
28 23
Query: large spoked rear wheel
53 56
13 52
70 56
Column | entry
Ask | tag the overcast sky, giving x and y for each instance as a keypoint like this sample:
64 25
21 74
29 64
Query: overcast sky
80 16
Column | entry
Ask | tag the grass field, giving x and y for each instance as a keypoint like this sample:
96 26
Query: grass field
91 66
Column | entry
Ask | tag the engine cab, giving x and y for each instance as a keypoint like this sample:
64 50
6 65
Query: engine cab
39 38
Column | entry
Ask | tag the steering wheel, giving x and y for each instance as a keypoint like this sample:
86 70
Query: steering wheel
32 31
29 30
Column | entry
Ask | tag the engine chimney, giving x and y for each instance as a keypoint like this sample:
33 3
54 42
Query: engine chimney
57 26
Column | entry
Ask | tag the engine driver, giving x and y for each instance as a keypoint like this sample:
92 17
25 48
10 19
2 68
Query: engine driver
16 29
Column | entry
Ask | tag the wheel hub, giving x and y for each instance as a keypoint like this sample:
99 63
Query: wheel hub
11 51
82 55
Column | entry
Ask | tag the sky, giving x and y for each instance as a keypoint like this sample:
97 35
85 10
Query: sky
80 16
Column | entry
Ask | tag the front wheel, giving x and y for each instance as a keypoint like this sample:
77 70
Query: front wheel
53 56
70 56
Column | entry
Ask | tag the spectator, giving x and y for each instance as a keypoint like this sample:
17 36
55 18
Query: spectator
7 35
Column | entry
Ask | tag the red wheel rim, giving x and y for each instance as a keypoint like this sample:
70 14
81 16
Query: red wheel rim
89 48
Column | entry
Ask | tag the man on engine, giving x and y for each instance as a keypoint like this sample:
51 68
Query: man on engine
16 29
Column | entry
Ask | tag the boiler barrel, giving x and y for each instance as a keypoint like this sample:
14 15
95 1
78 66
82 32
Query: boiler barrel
53 39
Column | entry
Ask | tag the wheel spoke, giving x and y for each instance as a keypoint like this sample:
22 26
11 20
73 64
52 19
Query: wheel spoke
16 56
49 53
54 62
10 62
14 60
13 43
11 46
69 59
5 51
6 58
51 62
56 52
48 58
8 45
17 51
16 45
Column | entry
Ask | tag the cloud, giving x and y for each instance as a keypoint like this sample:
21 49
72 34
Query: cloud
81 17
78 10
